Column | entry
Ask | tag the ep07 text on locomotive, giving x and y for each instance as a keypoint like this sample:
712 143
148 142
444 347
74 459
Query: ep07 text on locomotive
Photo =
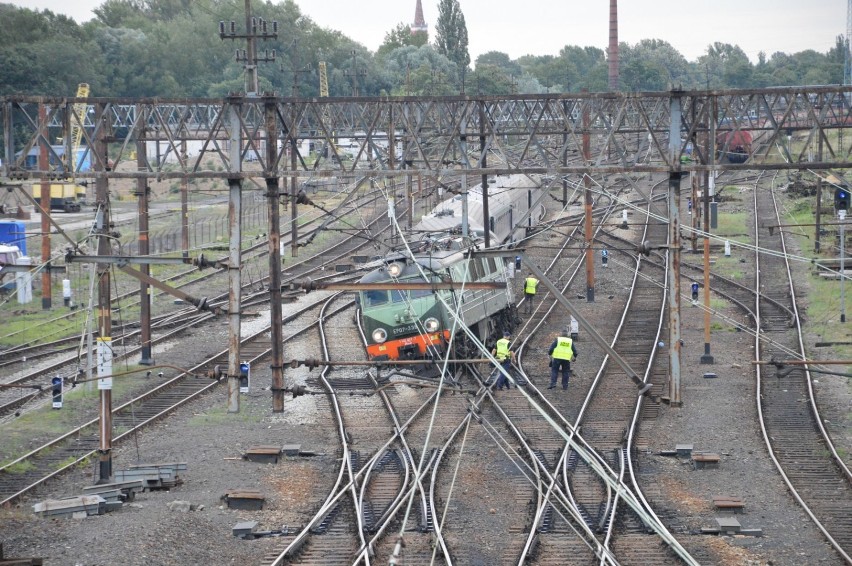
416 324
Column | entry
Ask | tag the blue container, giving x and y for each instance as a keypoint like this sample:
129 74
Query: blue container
13 233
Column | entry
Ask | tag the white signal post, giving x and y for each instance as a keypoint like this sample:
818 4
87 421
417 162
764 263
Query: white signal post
842 214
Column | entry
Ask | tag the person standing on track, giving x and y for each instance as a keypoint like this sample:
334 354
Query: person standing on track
530 284
505 356
562 352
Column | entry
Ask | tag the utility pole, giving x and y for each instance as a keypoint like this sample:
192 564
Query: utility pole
296 68
256 28
144 249
104 340
355 73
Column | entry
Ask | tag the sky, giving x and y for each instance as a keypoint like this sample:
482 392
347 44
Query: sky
543 27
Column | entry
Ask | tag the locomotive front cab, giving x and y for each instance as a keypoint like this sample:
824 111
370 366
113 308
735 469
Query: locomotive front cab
401 324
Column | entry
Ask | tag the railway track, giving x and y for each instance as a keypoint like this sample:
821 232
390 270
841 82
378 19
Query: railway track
71 448
797 441
177 323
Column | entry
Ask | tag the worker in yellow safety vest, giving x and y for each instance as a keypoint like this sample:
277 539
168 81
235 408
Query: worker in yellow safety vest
562 352
530 284
505 356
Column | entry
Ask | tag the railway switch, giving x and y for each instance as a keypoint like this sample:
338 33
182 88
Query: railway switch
56 385
245 377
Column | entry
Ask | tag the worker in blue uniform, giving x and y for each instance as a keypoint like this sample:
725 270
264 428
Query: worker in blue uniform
505 356
562 353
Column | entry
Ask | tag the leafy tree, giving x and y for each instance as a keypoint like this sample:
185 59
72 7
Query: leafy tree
400 36
501 61
652 64
417 71
451 38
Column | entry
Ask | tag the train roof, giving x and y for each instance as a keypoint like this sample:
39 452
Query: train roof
448 214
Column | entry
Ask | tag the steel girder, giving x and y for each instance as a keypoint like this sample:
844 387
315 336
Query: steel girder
629 132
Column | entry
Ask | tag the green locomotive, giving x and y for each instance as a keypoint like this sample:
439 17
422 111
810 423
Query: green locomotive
415 324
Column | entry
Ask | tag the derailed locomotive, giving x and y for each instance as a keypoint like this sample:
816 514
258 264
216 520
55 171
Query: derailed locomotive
415 324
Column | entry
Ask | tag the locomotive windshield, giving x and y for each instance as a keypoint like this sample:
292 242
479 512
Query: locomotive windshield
374 298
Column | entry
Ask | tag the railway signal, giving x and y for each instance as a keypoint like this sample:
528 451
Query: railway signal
841 198
245 377
56 385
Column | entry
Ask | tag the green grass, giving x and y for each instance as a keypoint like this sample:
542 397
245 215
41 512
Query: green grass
20 468
729 267
733 226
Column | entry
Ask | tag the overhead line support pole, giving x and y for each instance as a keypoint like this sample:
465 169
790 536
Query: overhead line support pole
144 250
104 340
674 250
710 158
44 165
588 201
184 207
276 333
234 260
486 220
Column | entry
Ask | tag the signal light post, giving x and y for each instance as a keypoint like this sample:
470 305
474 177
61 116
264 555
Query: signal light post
56 385
842 214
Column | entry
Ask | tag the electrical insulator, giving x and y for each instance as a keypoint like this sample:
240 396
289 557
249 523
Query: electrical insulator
56 385
254 26
275 27
245 377
221 28
263 26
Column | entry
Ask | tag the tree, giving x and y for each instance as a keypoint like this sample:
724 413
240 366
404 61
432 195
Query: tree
400 36
451 35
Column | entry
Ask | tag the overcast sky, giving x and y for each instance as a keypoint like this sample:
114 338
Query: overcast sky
542 27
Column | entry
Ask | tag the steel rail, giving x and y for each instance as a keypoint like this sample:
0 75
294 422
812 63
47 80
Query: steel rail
761 410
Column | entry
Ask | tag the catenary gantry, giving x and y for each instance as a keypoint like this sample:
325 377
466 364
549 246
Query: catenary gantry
435 136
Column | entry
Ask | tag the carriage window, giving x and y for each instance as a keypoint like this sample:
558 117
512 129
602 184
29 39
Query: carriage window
398 296
492 265
374 298
421 293
475 270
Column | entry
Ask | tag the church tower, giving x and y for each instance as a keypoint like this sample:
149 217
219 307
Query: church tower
419 24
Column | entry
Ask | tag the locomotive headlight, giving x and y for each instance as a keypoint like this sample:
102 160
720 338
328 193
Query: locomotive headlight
394 269
431 324
380 335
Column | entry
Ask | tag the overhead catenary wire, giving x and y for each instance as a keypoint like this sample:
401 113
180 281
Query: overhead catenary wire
609 477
